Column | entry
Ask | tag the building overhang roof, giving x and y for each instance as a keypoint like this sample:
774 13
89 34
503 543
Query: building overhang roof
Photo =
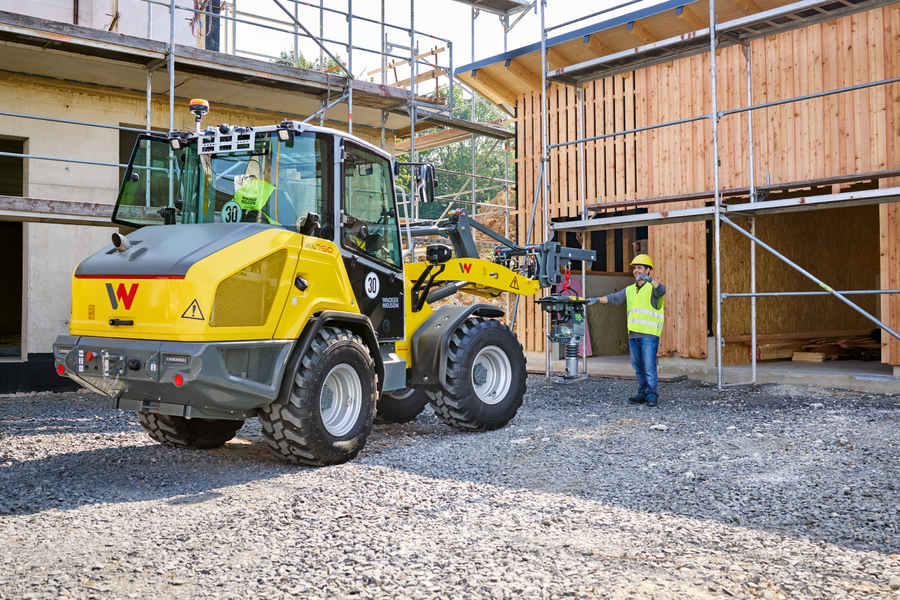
113 60
651 35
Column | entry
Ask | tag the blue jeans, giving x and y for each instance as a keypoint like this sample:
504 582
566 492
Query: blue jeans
643 360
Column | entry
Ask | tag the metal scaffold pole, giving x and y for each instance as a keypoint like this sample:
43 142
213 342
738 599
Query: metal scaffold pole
582 176
717 199
545 204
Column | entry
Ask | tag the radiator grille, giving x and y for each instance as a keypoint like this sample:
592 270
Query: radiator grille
253 364
245 298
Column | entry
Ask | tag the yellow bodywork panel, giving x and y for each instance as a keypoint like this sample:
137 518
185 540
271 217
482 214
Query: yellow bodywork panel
329 288
244 291
412 321
487 279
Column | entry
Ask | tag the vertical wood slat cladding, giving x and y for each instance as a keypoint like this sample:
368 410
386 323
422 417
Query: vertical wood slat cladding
842 134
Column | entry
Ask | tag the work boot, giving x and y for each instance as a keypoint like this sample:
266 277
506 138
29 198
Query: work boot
637 400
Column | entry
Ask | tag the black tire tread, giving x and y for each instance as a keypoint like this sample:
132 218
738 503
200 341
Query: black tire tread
286 427
400 410
449 403
181 432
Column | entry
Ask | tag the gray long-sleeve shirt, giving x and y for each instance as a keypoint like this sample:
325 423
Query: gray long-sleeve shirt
621 297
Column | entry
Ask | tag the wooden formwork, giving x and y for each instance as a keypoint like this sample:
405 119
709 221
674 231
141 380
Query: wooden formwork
816 139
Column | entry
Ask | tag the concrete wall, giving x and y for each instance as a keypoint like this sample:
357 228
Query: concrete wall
51 252
50 255
98 14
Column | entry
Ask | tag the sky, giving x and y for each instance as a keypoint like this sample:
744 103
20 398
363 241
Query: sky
444 18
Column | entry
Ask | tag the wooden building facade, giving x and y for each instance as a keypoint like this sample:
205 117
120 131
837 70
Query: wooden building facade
812 142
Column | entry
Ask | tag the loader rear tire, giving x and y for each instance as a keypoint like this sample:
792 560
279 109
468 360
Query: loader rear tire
485 377
181 432
331 408
401 406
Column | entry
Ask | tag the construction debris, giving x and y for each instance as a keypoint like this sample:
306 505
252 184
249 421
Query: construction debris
860 344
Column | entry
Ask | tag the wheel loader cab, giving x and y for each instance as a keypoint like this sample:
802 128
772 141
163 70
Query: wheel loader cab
249 177
369 237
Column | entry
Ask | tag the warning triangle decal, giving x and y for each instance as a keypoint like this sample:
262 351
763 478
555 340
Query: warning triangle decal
515 284
193 312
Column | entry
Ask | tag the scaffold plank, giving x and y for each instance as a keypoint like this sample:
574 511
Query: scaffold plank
846 199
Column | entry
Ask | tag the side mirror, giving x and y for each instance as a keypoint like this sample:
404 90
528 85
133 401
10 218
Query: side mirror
311 224
425 183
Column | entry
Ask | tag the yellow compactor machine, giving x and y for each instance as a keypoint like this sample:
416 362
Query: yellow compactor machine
266 277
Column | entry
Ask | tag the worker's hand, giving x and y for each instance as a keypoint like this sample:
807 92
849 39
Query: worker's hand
593 301
644 277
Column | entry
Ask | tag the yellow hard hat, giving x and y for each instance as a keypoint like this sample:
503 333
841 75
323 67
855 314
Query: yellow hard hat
642 259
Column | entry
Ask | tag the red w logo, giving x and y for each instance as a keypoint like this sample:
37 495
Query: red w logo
127 297
465 267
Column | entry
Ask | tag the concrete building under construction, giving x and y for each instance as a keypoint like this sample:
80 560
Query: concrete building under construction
711 148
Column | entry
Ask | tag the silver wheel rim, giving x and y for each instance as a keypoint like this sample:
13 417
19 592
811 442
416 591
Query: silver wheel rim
341 400
491 375
401 394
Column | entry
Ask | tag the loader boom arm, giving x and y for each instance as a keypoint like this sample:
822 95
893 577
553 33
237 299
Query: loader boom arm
540 264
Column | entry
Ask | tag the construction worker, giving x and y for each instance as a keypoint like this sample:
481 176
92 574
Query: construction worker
253 195
644 302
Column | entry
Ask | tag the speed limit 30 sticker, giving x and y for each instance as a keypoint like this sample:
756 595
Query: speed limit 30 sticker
372 285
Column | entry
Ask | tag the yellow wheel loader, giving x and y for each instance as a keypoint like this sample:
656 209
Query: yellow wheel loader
266 277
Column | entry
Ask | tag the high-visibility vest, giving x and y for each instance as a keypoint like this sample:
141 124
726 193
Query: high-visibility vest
254 195
642 317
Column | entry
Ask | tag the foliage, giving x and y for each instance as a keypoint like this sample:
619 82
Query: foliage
458 157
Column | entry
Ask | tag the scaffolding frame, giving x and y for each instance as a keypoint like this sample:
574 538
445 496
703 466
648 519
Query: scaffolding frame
416 108
738 32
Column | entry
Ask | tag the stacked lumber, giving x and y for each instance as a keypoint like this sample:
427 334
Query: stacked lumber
857 344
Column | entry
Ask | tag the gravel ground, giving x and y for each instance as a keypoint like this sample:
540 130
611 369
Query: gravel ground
777 492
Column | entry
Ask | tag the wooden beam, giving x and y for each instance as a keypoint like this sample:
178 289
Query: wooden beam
42 210
528 78
435 140
596 46
687 15
555 60
641 33
434 73
748 7
420 126
800 335
491 88
400 63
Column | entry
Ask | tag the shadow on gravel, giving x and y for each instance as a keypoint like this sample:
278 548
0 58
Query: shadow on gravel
52 478
804 463
819 466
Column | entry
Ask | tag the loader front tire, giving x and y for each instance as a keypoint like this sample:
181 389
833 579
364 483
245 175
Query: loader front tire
331 408
181 432
401 406
485 377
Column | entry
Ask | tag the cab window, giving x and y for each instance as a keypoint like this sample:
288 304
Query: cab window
370 219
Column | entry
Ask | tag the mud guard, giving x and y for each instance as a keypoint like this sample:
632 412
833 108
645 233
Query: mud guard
356 323
431 341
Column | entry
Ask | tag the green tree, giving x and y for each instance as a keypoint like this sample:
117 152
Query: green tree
489 156
287 58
